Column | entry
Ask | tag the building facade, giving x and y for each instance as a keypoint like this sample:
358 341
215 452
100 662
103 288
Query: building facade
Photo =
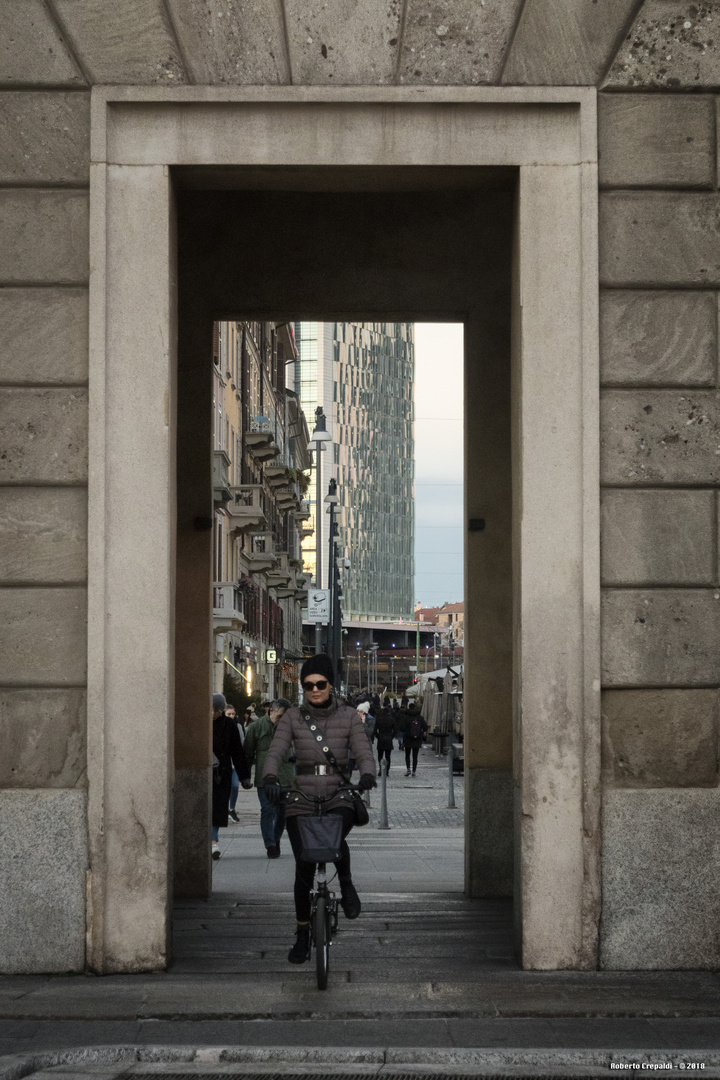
260 450
362 376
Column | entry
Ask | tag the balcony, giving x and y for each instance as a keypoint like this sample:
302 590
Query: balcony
228 606
278 476
221 478
306 530
261 556
301 586
245 509
287 500
281 574
262 445
303 514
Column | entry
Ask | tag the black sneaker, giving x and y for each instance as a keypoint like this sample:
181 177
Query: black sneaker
349 900
408 773
300 951
273 852
233 815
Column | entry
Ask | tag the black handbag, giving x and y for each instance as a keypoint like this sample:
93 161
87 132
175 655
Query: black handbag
360 810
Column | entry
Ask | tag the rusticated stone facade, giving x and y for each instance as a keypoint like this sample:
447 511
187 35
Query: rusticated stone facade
656 66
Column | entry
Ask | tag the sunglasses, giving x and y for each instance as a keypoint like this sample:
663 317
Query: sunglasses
320 685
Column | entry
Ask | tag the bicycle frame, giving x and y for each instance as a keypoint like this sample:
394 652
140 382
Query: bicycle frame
323 903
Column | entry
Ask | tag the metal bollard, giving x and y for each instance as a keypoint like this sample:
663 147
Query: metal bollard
451 780
383 823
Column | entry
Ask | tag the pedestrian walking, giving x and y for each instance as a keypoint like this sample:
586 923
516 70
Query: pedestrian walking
414 737
227 752
368 718
399 719
384 735
257 743
339 728
235 786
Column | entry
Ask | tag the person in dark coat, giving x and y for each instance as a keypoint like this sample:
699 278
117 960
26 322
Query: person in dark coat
340 728
384 734
414 733
227 752
399 721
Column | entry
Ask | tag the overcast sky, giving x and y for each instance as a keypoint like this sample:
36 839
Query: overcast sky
438 463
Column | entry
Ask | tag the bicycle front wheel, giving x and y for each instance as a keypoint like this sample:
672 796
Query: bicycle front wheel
322 942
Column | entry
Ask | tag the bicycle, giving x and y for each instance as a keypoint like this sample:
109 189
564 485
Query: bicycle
319 844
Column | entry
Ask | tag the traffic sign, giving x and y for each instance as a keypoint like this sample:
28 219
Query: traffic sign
318 605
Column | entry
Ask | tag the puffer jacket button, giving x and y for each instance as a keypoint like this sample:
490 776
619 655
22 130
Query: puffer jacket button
319 738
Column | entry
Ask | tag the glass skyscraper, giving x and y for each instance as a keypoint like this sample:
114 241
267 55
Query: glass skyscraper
362 376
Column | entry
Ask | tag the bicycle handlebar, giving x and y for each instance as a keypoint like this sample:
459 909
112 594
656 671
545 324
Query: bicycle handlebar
318 800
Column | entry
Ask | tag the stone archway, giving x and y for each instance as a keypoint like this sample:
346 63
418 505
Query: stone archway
550 590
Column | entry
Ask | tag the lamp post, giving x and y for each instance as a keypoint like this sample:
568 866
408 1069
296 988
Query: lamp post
319 436
332 500
373 651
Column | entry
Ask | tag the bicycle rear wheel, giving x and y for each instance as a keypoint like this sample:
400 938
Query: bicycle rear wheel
322 942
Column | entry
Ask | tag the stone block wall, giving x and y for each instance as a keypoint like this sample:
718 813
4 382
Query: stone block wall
660 447
44 171
660 275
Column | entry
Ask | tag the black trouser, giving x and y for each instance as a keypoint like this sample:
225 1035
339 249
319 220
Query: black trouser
384 754
305 871
414 750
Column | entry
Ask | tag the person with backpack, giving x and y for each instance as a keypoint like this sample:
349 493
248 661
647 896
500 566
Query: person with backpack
414 737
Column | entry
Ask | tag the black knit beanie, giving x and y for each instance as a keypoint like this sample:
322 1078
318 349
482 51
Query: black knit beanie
321 664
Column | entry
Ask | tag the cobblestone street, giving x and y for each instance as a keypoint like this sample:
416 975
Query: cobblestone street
421 852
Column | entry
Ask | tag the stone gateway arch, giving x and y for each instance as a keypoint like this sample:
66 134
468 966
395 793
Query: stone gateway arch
545 180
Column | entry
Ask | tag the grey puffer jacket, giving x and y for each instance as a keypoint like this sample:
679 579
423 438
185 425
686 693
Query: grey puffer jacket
343 732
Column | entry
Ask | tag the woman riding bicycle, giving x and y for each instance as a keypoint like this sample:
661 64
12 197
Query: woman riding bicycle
343 733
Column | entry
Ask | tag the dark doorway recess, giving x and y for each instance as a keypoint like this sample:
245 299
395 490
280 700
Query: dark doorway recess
373 244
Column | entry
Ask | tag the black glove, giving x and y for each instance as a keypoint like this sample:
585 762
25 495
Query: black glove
273 791
366 781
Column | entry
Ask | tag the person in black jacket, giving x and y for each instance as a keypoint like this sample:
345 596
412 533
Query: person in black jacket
414 733
384 734
227 752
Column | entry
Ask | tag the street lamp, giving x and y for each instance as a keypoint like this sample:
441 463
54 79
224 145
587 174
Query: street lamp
319 436
373 649
332 579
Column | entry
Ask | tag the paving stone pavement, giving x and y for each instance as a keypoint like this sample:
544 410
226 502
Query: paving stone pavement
423 967
413 802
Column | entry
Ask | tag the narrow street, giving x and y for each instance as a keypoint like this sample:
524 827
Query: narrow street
416 925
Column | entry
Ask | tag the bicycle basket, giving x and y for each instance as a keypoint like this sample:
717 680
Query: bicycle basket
321 837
